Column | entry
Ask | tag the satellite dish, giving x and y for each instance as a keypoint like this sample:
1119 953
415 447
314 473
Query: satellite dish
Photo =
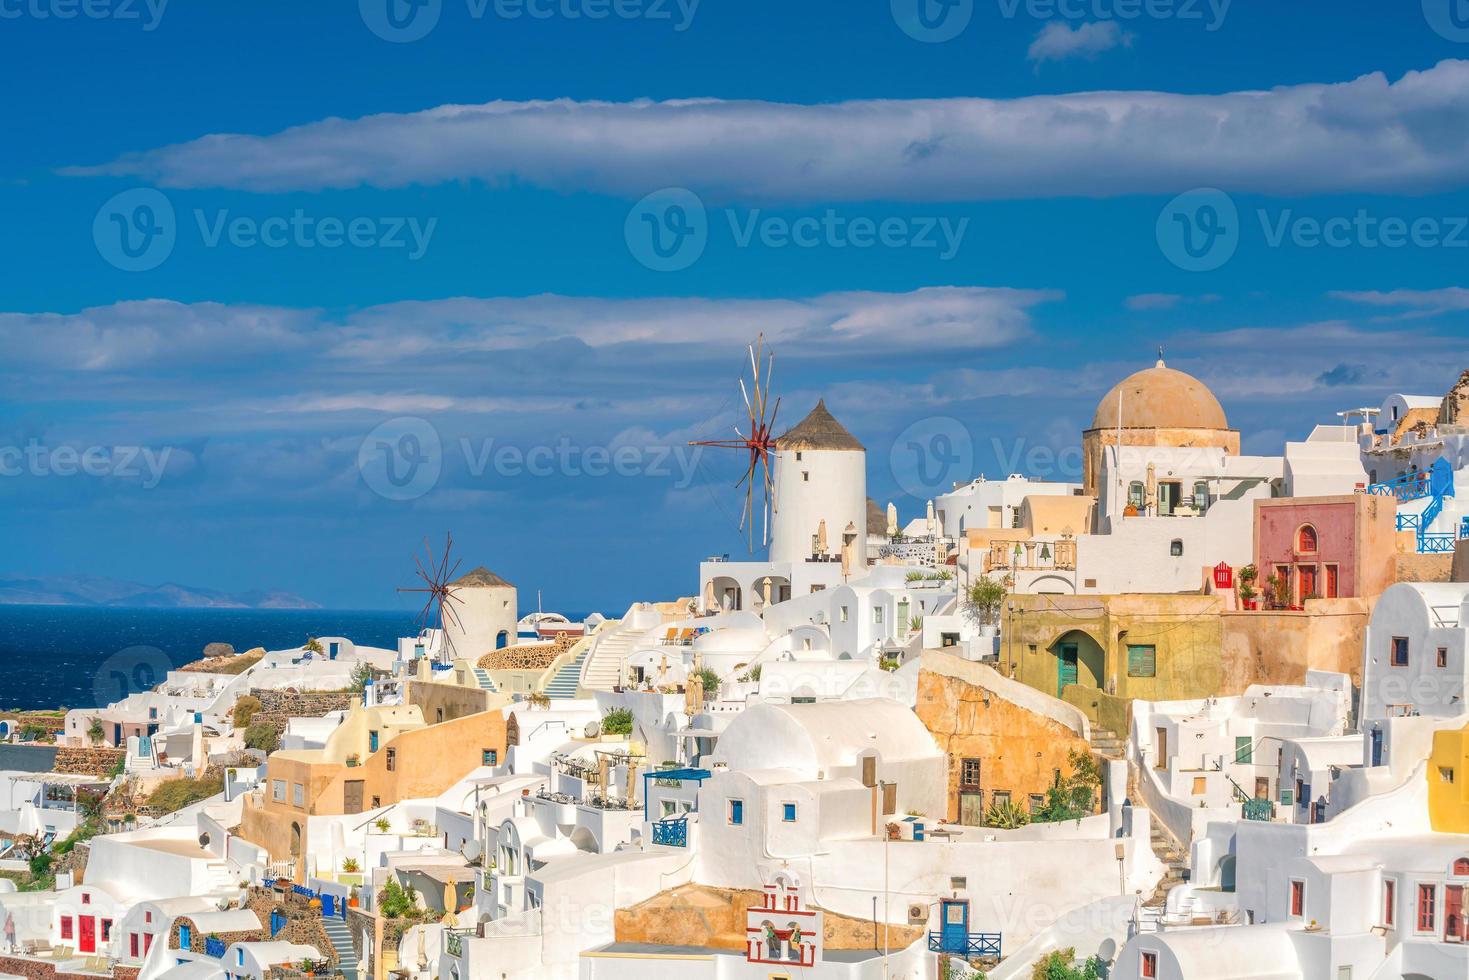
470 850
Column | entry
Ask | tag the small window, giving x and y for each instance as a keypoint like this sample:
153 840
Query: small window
1306 540
877 615
957 883
489 757
1427 907
1244 749
1142 660
788 812
1175 548
1201 785
133 945
1297 898
86 898
1389 901
392 760
298 794
1002 797
239 957
736 812
798 456
1036 801
377 801
969 773
1135 492
1443 657
1149 965
1446 774
66 927
106 926
842 614
1461 868
372 741
1400 651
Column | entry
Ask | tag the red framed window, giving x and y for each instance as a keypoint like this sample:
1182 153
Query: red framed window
1306 540
66 927
86 898
1427 907
133 945
1443 657
1389 901
1333 581
1461 868
1298 898
1150 965
1400 651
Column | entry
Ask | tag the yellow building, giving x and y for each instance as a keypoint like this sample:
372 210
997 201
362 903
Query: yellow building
1155 407
375 758
1448 782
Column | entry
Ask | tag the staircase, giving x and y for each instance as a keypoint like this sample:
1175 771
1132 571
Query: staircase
1107 746
1171 853
482 677
220 881
341 938
568 678
604 666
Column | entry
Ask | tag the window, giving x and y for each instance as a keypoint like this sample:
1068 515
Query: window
1333 581
392 760
1201 496
86 898
489 757
736 812
968 772
106 927
377 801
239 957
877 615
298 794
1389 901
788 812
669 809
1135 494
805 476
1201 785
1400 651
1461 868
148 917
1002 797
1427 907
1142 660
1150 965
1297 898
1446 775
1175 547
66 927
186 937
957 883
372 741
1244 749
152 714
133 945
842 615
1443 657
1306 540
1036 801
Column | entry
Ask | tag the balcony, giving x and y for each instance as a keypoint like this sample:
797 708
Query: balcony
672 833
971 945
1258 810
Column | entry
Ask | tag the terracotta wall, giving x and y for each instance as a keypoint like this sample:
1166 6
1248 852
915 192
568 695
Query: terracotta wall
1018 750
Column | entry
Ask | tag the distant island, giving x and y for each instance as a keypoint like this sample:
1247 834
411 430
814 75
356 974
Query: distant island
98 591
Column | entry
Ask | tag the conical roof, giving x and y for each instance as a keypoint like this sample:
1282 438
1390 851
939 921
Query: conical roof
820 431
480 578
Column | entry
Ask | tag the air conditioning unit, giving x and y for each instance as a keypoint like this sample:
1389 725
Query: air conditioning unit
917 915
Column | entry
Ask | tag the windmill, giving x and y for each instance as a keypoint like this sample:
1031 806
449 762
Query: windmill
436 576
758 440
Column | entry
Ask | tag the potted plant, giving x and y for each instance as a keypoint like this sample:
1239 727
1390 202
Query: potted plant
351 866
382 825
352 898
1279 591
354 760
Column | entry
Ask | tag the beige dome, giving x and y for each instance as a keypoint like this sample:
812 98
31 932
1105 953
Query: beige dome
1160 398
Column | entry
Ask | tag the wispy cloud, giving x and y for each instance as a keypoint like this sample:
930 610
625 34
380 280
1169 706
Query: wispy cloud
1058 41
1148 302
1367 134
1412 303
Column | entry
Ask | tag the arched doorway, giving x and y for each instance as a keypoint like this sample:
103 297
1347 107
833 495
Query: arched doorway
502 639
1080 661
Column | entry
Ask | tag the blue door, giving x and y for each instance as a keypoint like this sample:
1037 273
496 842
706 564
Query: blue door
954 929
1377 746
1066 666
328 904
333 649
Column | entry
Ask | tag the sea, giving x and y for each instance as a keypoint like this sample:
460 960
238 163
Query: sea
84 657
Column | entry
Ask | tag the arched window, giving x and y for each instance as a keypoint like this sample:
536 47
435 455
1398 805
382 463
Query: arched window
1306 540
1461 868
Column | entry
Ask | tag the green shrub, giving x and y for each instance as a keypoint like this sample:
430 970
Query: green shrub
1006 816
175 794
710 680
1056 965
394 901
617 721
263 736
1075 795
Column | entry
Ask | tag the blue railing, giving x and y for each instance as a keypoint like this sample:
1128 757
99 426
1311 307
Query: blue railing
1409 486
673 833
968 945
214 946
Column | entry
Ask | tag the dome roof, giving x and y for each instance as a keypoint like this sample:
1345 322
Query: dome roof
480 578
1160 398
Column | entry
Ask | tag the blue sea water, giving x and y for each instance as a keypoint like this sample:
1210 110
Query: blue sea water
81 657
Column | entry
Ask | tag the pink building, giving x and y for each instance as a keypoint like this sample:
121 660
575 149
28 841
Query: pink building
1327 547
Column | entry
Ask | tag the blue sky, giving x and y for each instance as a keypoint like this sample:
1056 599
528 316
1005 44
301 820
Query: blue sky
975 237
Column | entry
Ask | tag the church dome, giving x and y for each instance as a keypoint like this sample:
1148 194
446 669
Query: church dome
1160 398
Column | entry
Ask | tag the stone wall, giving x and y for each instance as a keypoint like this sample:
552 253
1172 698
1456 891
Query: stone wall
1425 568
311 704
699 915
45 970
88 761
528 656
303 923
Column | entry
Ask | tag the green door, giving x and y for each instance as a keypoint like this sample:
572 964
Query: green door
1065 666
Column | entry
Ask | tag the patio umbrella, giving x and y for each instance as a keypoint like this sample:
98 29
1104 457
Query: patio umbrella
451 903
821 537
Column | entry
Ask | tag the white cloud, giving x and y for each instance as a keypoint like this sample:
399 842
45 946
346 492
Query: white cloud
1413 302
1057 41
1366 134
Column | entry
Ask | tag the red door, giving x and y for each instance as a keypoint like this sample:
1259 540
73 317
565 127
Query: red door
87 938
1455 929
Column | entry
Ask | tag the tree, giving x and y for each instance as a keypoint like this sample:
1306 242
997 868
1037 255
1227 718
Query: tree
710 681
1074 796
1056 965
985 598
362 675
95 731
312 645
263 737
246 705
